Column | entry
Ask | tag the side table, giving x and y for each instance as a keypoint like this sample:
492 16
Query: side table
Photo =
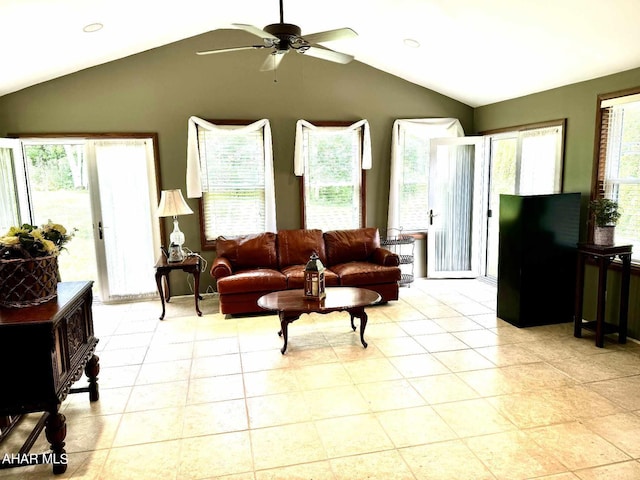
190 264
603 256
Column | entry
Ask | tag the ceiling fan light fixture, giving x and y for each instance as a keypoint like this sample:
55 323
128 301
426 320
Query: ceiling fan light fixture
92 27
411 43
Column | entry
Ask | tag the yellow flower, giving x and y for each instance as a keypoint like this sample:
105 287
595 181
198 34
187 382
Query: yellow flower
49 246
8 241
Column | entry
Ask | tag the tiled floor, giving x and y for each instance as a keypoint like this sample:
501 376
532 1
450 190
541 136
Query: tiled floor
444 391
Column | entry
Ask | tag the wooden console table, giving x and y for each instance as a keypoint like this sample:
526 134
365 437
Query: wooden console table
603 256
190 264
43 351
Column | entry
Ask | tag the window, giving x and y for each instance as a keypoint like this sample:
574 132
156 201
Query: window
409 185
235 178
618 163
525 160
330 158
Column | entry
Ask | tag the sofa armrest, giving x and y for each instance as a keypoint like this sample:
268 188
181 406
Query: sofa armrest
221 267
386 258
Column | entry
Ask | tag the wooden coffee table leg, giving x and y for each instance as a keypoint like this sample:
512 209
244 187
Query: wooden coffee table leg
362 315
285 320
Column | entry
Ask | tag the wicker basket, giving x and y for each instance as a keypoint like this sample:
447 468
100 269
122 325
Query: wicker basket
25 282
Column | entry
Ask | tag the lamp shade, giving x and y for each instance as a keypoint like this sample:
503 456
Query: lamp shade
172 204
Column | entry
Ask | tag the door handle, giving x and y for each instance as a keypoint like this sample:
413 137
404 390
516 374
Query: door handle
100 230
431 215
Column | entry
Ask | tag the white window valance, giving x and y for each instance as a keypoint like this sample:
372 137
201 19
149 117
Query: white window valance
194 170
298 158
425 127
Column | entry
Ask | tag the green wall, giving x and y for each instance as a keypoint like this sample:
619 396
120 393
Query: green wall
578 104
158 90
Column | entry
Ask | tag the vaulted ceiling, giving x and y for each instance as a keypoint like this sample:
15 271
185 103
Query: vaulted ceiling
477 52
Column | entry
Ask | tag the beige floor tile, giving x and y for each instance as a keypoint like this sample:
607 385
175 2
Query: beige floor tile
443 388
526 401
85 433
268 382
621 391
214 389
215 455
264 360
352 435
480 338
506 355
512 456
163 372
395 346
279 409
306 471
619 471
372 466
140 462
169 353
215 346
321 376
622 430
149 426
490 382
470 418
414 426
215 417
421 365
445 461
216 365
576 446
335 402
158 395
390 395
372 370
457 324
463 360
286 445
421 327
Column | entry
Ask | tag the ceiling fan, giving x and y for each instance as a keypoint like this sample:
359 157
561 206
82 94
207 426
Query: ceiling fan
283 37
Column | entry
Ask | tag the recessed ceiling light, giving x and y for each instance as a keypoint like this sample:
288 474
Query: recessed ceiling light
92 27
410 42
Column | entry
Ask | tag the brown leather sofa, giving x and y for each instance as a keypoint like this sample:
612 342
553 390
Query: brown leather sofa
249 266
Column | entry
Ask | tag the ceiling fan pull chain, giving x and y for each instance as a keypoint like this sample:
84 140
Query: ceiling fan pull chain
281 12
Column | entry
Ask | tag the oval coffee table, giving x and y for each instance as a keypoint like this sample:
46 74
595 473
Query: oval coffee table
290 304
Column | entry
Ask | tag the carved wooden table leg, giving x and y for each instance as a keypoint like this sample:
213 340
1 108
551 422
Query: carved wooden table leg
56 432
285 320
159 275
91 370
361 314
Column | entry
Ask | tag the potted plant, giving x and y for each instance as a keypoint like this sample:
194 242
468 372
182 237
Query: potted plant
605 216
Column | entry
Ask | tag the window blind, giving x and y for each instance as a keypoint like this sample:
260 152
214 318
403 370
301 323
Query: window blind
233 181
332 178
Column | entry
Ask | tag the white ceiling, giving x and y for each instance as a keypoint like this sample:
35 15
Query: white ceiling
476 51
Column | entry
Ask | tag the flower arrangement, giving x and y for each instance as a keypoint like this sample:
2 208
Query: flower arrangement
29 241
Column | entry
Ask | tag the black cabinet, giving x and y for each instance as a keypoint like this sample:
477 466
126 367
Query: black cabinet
537 258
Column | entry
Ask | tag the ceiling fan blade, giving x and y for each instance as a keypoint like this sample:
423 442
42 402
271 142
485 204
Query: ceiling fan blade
330 35
272 62
232 49
269 39
326 54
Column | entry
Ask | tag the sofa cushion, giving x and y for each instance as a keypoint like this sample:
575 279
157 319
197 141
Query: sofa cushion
350 245
255 280
354 274
296 246
249 251
295 277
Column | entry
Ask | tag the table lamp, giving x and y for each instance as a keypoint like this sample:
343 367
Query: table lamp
172 204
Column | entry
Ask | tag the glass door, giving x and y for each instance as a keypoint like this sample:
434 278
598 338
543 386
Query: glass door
456 196
126 230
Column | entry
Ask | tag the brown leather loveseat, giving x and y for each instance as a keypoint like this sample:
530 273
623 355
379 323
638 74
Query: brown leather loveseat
249 266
